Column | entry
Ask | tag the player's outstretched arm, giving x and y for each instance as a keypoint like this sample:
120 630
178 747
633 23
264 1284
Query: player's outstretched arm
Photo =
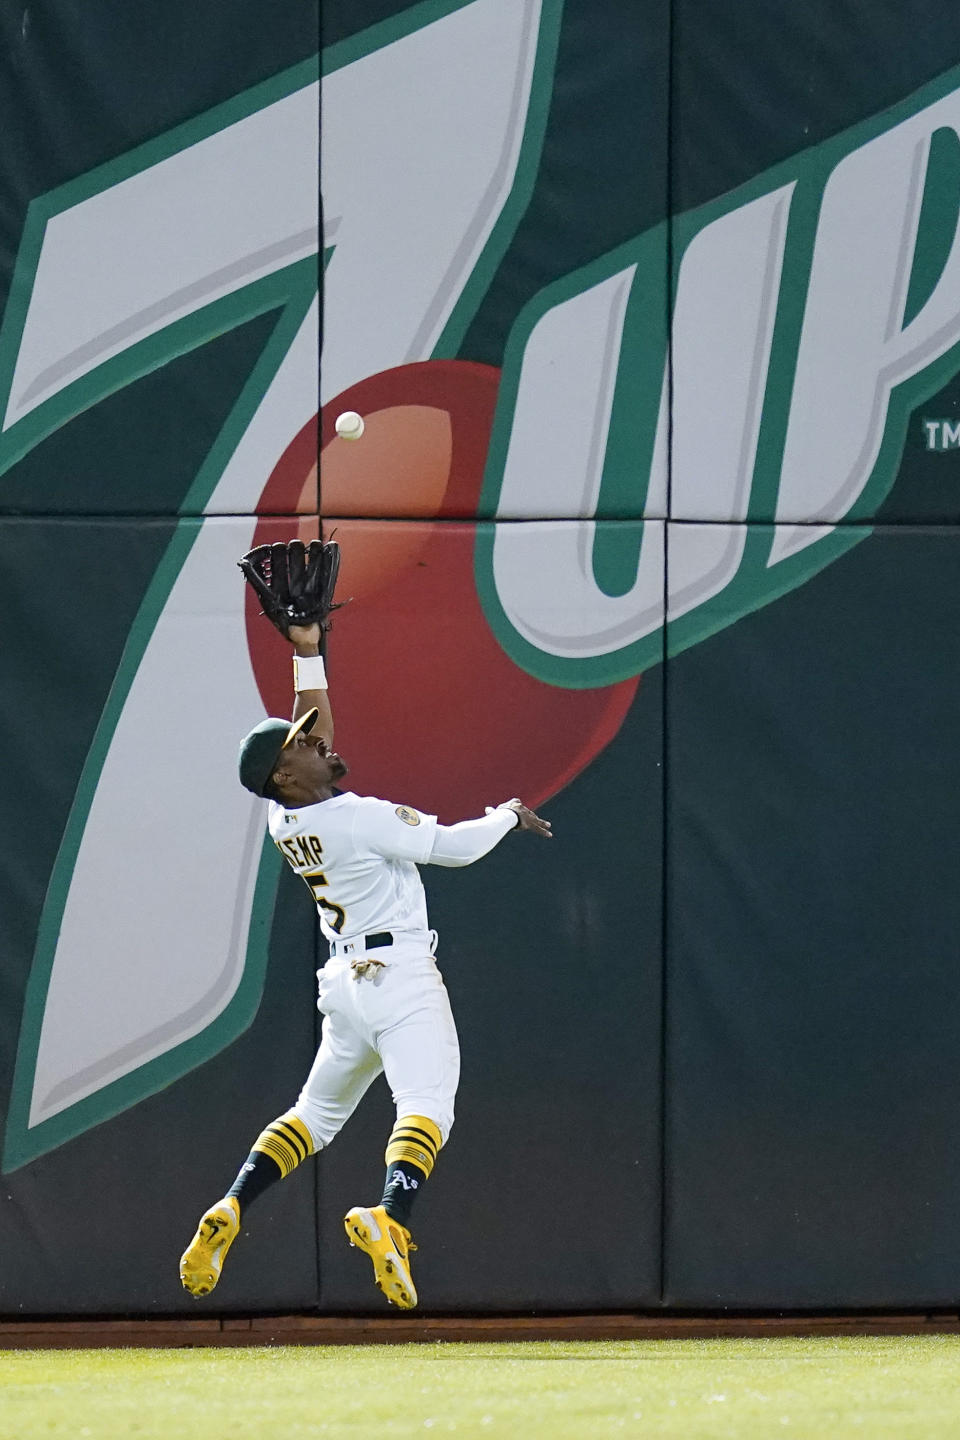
470 840
306 644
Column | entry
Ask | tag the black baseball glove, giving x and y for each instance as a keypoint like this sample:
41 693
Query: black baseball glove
294 582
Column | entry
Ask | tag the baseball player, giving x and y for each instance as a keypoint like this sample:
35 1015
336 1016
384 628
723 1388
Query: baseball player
384 1003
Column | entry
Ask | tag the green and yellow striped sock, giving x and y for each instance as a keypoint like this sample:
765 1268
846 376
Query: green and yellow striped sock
276 1153
412 1150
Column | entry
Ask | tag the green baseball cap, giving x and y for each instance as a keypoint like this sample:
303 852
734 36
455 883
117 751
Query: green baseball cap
260 750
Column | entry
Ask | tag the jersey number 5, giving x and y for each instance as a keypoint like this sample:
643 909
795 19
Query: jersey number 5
333 914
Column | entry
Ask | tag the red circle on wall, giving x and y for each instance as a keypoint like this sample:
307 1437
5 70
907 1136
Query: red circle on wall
429 710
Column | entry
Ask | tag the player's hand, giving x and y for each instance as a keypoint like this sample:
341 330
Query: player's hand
305 636
528 820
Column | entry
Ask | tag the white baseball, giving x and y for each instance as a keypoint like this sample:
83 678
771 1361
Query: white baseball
349 425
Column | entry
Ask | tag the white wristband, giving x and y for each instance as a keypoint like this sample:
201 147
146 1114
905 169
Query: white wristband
503 810
309 673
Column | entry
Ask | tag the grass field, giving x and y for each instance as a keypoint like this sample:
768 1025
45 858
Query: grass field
907 1388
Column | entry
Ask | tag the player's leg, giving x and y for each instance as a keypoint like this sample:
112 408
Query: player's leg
343 1070
421 1059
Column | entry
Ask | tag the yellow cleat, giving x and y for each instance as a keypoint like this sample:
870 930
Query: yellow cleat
388 1244
202 1261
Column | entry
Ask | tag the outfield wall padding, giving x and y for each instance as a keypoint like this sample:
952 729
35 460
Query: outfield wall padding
652 314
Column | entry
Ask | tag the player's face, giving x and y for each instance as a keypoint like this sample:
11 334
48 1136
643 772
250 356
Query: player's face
308 757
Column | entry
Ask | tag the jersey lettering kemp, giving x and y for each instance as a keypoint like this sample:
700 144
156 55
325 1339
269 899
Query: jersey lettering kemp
361 869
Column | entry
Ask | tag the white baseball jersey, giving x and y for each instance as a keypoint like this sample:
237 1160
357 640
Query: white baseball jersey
359 857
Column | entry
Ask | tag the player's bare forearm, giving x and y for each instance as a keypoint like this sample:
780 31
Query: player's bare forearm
323 725
306 641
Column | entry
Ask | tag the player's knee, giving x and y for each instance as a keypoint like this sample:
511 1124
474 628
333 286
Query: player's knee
321 1124
440 1115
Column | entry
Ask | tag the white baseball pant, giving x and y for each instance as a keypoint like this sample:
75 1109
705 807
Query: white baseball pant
395 1018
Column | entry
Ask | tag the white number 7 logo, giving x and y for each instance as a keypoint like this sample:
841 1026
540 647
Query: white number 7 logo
133 986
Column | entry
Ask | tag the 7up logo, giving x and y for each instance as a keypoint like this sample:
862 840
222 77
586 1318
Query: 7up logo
810 312
755 361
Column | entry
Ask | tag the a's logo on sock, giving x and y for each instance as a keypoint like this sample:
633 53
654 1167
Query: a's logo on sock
407 1181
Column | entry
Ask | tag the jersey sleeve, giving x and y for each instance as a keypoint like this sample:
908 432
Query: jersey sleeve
397 832
470 840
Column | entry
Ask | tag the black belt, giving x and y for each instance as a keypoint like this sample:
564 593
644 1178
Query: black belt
367 942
